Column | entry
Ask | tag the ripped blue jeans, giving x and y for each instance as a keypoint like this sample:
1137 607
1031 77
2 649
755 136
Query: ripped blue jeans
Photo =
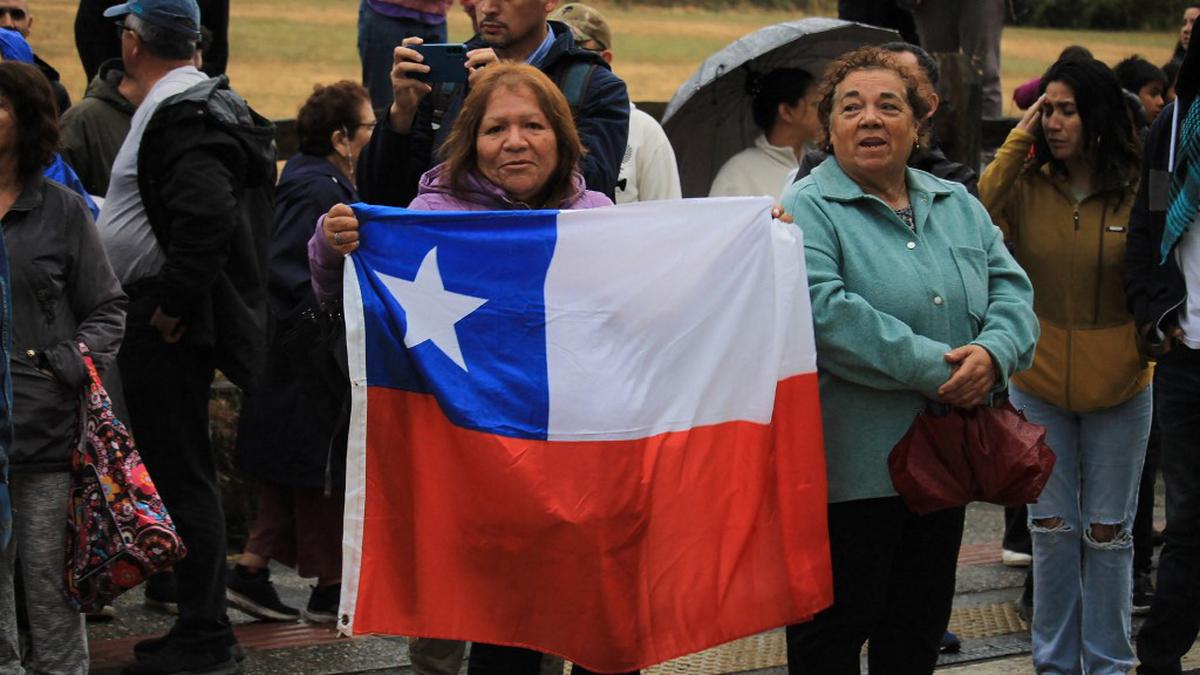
1081 528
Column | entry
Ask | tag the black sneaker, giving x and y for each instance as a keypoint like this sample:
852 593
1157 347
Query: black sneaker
144 648
172 657
252 592
161 593
950 644
1143 593
323 604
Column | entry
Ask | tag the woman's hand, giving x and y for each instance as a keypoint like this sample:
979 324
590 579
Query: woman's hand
1032 120
782 216
341 229
973 378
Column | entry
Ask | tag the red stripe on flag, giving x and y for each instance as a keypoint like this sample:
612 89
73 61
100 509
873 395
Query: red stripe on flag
613 554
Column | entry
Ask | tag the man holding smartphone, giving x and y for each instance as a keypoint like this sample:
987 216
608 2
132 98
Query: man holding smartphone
422 113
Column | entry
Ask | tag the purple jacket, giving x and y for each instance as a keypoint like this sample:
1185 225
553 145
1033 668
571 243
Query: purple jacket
434 194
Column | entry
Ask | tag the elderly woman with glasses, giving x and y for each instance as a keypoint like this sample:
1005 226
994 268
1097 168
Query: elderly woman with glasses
291 437
915 298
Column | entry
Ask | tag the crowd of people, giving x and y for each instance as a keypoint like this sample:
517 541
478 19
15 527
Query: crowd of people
146 221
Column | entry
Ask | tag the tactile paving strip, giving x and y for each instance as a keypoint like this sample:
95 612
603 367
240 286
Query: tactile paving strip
769 650
982 621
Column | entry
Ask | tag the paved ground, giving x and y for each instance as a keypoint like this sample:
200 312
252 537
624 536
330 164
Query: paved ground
994 641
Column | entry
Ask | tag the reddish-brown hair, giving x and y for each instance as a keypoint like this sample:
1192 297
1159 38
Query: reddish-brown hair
917 89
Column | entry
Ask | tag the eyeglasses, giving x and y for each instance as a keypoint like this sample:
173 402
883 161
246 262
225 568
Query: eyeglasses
121 28
14 13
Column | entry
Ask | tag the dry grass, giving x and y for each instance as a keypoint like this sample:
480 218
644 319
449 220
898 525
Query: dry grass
280 48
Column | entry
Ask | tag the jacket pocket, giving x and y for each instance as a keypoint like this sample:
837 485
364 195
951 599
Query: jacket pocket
972 268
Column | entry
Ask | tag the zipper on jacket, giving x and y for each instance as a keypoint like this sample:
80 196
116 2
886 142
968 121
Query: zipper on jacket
1070 328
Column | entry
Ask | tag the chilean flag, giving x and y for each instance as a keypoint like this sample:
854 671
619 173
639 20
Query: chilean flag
591 433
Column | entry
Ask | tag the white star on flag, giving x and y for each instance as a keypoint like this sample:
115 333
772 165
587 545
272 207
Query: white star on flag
430 311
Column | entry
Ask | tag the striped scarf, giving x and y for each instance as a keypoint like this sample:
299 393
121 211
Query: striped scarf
1185 182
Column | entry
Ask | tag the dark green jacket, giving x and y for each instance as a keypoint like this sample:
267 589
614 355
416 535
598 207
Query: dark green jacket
94 128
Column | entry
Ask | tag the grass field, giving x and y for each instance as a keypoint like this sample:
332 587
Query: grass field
280 48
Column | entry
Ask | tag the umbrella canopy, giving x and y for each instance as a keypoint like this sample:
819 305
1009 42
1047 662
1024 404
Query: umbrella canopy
709 120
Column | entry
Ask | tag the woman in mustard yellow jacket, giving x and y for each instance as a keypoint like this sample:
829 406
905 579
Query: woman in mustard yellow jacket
1065 211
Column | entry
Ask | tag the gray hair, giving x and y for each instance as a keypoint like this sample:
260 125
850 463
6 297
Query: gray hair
164 43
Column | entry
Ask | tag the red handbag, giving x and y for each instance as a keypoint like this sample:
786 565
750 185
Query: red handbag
950 457
118 530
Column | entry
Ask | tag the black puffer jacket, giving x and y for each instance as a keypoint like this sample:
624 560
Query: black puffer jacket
206 173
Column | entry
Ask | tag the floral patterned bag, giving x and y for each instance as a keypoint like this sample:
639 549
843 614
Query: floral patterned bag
118 530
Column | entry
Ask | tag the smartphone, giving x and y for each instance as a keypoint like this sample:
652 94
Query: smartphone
447 62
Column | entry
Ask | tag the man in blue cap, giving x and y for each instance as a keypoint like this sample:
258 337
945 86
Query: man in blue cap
185 226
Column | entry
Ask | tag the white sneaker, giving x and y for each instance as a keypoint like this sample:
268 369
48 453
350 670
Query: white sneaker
1015 559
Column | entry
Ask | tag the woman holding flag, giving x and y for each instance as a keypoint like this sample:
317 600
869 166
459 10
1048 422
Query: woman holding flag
513 146
949 321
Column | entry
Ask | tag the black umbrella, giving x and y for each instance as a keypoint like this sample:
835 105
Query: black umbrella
708 120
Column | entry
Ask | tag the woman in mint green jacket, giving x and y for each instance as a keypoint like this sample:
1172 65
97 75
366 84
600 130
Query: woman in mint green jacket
915 299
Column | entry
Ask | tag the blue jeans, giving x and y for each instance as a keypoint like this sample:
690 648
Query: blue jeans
1082 585
1174 618
378 36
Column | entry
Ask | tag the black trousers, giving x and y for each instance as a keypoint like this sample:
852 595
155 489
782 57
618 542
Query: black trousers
96 39
1143 519
167 391
884 13
1174 619
1016 530
893 584
496 660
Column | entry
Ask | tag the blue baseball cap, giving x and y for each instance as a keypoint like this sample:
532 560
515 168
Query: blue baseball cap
181 16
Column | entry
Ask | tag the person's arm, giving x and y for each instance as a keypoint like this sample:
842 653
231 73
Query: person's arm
289 279
604 130
855 341
96 300
401 147
390 166
1142 243
998 184
1010 327
199 194
658 173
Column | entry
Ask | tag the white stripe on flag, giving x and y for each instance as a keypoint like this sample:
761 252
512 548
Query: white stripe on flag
652 324
356 448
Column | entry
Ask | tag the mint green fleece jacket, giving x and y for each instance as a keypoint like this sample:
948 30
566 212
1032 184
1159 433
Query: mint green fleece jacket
887 304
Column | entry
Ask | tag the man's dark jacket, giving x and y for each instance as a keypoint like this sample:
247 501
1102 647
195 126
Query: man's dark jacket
94 129
206 173
392 164
61 98
1153 291
931 160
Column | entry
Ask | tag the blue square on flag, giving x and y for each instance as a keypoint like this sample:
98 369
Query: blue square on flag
467 298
